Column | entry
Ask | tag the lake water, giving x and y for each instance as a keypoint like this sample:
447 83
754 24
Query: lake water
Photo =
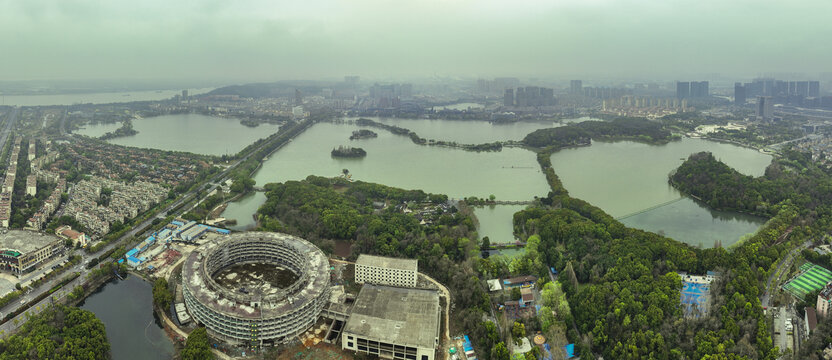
511 174
472 132
126 309
626 178
243 209
200 134
94 98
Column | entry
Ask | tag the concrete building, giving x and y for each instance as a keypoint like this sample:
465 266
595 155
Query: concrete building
23 251
386 271
394 323
765 108
31 185
739 94
824 301
255 316
66 232
576 87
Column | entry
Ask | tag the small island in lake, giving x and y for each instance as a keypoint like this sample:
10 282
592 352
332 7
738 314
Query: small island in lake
349 152
363 134
126 129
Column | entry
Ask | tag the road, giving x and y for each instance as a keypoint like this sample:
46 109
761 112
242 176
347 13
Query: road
12 325
210 184
782 268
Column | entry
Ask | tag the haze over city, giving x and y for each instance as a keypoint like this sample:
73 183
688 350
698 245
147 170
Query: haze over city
244 41
415 180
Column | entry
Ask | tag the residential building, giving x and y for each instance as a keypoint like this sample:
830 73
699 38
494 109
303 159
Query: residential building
31 185
765 108
576 87
386 271
739 94
824 301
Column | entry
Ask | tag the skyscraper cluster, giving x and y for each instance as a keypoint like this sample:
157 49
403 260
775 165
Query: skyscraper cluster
692 89
390 95
806 93
529 96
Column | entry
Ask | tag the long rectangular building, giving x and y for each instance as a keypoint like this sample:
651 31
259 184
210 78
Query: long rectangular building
22 251
381 270
394 323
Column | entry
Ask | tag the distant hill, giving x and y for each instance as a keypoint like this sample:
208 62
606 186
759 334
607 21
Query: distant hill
276 89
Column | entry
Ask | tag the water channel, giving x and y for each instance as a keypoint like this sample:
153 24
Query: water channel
628 180
200 134
126 309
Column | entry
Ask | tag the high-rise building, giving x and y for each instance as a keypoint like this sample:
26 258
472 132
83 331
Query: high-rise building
698 89
824 302
508 97
298 98
682 89
576 87
739 94
814 89
765 107
352 80
185 95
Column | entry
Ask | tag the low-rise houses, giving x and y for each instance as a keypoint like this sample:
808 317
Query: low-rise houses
65 232
123 201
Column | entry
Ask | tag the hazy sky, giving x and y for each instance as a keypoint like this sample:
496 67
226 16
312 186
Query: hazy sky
311 39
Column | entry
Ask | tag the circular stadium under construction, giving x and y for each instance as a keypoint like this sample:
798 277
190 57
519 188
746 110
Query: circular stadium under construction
256 288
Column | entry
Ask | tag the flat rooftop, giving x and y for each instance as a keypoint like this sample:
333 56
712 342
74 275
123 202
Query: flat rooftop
388 262
396 315
24 241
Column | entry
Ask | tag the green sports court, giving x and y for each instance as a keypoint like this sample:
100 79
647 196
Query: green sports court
811 277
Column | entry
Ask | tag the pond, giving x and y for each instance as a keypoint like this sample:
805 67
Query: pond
126 309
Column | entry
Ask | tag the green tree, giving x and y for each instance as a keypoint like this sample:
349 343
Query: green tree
162 295
518 331
197 347
500 352
515 293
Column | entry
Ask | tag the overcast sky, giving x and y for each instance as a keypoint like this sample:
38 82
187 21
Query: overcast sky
312 39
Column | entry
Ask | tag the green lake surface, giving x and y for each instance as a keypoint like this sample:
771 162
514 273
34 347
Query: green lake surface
199 134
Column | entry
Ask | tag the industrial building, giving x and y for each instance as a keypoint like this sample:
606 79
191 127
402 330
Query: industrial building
394 323
381 270
23 251
253 317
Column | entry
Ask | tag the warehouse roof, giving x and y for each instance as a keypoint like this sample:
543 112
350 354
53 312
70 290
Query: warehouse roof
394 315
25 241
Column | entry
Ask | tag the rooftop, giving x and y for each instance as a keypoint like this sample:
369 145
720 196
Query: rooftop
396 315
24 241
388 262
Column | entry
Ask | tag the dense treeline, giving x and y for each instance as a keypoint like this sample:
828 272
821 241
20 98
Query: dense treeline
492 146
623 286
319 209
792 178
582 133
60 332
